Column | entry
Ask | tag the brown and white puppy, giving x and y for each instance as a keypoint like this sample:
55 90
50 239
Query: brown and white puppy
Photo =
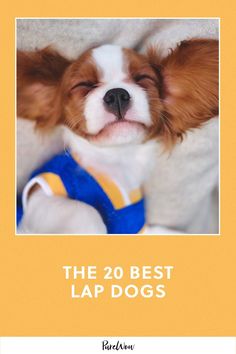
113 103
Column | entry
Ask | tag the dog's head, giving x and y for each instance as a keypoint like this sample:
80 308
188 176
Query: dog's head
111 95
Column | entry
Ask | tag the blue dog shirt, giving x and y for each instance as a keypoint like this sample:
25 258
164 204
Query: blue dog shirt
122 212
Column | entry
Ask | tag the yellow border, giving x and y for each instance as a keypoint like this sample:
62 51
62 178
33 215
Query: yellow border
201 296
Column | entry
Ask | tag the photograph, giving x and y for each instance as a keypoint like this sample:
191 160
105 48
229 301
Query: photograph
112 128
117 126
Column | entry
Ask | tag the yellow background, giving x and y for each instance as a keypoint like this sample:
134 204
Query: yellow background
34 295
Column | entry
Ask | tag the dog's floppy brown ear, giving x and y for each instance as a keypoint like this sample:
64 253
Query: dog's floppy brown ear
38 79
189 86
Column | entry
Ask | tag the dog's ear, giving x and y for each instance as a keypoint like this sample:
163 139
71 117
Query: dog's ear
188 79
38 80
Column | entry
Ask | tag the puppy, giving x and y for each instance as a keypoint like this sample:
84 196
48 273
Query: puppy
112 104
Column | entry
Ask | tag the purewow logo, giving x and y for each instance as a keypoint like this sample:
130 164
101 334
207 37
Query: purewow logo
106 345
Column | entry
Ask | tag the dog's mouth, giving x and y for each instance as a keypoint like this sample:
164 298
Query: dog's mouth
121 124
119 131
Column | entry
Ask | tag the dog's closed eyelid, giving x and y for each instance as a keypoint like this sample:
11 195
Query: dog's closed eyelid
84 84
141 77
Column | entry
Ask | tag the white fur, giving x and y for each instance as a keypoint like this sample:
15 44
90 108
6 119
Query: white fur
113 68
130 164
109 59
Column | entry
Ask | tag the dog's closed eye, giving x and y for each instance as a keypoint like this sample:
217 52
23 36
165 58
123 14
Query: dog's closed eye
142 77
85 84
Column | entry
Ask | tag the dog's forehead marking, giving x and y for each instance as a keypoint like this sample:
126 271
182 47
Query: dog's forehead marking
110 60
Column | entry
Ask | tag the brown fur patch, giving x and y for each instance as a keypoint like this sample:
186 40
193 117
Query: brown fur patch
142 73
38 78
190 86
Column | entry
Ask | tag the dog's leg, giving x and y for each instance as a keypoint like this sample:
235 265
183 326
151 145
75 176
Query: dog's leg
58 215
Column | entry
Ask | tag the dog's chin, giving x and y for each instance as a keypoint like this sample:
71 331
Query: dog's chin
120 133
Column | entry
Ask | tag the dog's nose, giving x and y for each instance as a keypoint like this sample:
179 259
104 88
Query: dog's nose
117 101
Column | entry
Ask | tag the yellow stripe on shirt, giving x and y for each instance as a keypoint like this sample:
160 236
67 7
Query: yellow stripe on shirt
55 183
110 188
135 195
